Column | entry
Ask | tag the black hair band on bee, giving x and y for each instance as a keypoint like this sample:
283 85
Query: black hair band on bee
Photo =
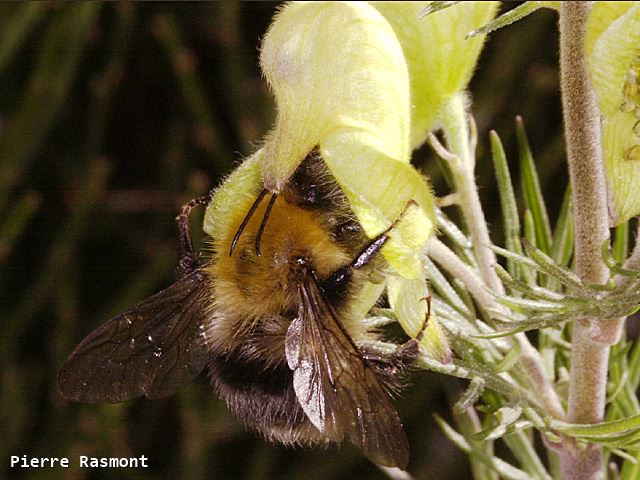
248 216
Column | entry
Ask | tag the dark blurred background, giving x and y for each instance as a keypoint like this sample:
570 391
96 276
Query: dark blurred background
112 115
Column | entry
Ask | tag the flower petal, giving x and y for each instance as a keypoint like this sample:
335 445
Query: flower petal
408 300
622 164
615 71
352 102
440 59
615 53
332 65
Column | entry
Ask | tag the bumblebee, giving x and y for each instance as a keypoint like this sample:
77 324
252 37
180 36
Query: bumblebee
271 311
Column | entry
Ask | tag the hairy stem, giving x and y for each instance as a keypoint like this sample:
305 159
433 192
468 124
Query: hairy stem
530 357
589 362
456 129
462 161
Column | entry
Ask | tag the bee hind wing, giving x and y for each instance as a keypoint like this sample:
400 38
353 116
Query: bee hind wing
151 349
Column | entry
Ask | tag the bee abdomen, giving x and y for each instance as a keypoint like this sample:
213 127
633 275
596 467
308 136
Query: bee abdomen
262 397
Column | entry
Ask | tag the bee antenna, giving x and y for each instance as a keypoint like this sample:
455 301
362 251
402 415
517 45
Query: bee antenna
246 219
263 224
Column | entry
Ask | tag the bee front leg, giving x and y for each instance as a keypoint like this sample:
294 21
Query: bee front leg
188 259
341 277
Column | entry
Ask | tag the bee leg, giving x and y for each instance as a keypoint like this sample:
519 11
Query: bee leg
410 349
189 259
391 367
340 278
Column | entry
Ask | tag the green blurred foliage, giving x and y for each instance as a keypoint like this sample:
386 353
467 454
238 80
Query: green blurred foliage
113 115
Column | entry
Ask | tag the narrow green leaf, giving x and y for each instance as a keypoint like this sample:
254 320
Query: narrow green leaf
618 384
495 382
461 243
597 430
631 470
621 242
464 294
504 417
535 418
529 228
17 219
442 309
634 366
624 455
562 274
562 249
522 304
503 430
509 207
537 323
509 17
509 360
18 29
613 265
532 192
30 125
444 288
522 448
452 434
501 467
513 256
537 293
470 396
629 439
508 203
435 7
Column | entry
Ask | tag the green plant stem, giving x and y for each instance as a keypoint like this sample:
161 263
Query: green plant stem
455 126
22 23
589 358
46 91
19 319
469 424
16 221
462 161
530 357
184 62
613 331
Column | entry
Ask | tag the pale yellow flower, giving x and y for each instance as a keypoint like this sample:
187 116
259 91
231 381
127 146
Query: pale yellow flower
613 47
441 60
340 82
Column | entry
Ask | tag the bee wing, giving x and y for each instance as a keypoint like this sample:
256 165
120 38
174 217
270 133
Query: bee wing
335 386
151 349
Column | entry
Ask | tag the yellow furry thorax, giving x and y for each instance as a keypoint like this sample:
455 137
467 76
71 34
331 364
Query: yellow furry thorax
263 284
